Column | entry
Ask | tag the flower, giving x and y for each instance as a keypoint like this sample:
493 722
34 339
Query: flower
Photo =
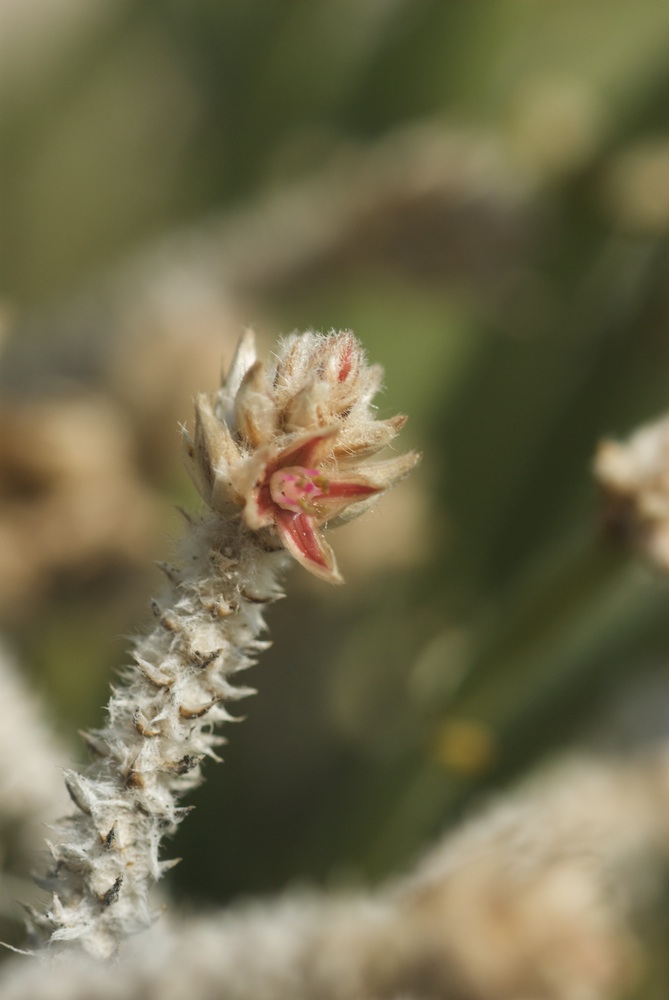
296 496
290 447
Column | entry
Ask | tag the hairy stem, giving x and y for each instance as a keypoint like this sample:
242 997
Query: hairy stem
161 725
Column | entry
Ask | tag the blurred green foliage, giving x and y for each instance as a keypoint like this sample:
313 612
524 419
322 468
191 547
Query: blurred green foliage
386 711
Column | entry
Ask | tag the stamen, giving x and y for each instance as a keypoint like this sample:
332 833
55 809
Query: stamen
295 488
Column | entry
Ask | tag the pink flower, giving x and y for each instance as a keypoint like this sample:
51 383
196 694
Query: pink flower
296 496
291 446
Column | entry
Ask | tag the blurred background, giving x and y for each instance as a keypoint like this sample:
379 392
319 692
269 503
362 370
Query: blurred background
480 191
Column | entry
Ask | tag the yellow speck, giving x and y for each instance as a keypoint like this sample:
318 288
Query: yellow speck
464 745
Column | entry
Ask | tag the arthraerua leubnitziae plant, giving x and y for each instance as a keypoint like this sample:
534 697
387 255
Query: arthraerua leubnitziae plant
277 454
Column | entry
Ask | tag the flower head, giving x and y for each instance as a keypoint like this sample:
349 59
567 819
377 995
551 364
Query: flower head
290 446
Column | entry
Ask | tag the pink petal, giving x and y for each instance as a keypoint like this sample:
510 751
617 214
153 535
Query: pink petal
307 451
345 364
351 489
305 543
340 495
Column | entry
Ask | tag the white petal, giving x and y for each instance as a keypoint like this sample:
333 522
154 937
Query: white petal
245 357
